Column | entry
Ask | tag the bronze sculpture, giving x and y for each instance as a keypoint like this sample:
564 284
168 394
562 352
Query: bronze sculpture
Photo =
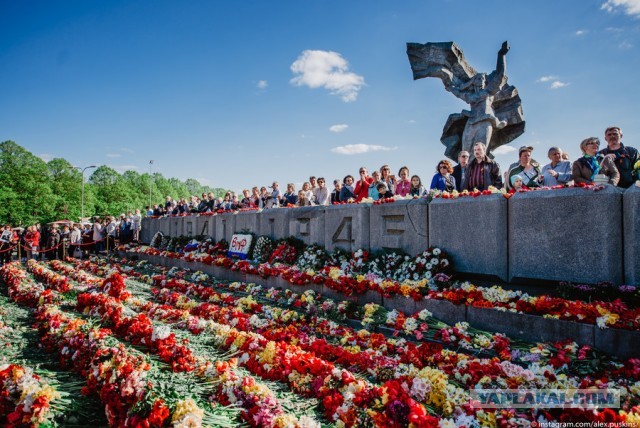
495 117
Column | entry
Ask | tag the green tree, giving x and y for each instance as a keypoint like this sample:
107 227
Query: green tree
112 194
66 185
34 191
24 180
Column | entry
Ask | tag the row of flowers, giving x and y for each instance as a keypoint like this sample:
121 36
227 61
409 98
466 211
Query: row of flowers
25 398
472 371
420 325
467 371
72 340
344 397
262 408
429 275
118 376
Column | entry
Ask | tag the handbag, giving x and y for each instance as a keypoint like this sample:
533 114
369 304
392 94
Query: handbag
77 253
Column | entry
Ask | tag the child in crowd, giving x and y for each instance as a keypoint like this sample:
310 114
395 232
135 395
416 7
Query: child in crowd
384 191
373 187
417 189
516 182
403 186
303 200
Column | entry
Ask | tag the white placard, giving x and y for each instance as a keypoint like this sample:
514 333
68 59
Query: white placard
240 245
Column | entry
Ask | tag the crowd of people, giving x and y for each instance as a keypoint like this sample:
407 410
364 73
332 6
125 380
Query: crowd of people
612 164
56 241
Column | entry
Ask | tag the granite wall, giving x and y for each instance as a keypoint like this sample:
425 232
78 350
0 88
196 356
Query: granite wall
574 234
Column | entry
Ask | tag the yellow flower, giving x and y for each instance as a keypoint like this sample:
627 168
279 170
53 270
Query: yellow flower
268 354
335 273
237 344
187 414
486 419
632 418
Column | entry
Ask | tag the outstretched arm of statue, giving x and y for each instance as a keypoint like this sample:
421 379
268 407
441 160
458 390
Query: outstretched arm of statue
498 76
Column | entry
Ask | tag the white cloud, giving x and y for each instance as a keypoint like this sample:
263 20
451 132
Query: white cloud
558 84
625 45
113 155
46 156
126 150
581 32
329 70
262 84
629 7
356 149
503 150
411 121
546 78
338 128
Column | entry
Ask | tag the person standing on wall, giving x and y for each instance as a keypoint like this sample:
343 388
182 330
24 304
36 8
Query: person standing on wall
625 156
482 171
460 170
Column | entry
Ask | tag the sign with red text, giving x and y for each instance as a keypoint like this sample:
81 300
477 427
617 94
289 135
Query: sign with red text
239 246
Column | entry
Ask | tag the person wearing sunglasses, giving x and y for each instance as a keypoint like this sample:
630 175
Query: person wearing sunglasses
443 179
460 170
592 164
362 185
321 193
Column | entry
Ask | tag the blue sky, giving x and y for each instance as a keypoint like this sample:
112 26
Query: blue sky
209 89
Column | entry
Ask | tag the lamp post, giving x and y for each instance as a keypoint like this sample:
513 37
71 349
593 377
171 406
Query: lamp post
150 182
82 203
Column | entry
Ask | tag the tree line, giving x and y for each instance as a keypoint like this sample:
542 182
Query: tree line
32 190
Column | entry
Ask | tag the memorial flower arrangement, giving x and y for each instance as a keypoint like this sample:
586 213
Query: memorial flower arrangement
263 249
283 253
156 241
313 258
416 384
401 267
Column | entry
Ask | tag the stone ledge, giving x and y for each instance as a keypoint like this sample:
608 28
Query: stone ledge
625 343
531 328
444 310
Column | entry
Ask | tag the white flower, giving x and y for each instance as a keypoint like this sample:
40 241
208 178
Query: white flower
424 314
420 389
601 322
160 332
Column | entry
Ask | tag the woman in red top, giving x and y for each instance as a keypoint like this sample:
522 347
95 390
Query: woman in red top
32 240
362 186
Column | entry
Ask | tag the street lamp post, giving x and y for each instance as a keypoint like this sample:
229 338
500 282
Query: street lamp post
150 182
82 203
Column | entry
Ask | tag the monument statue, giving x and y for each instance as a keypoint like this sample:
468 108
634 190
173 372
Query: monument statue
495 117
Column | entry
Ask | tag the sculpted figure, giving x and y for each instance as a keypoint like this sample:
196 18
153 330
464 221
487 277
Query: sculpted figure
495 116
